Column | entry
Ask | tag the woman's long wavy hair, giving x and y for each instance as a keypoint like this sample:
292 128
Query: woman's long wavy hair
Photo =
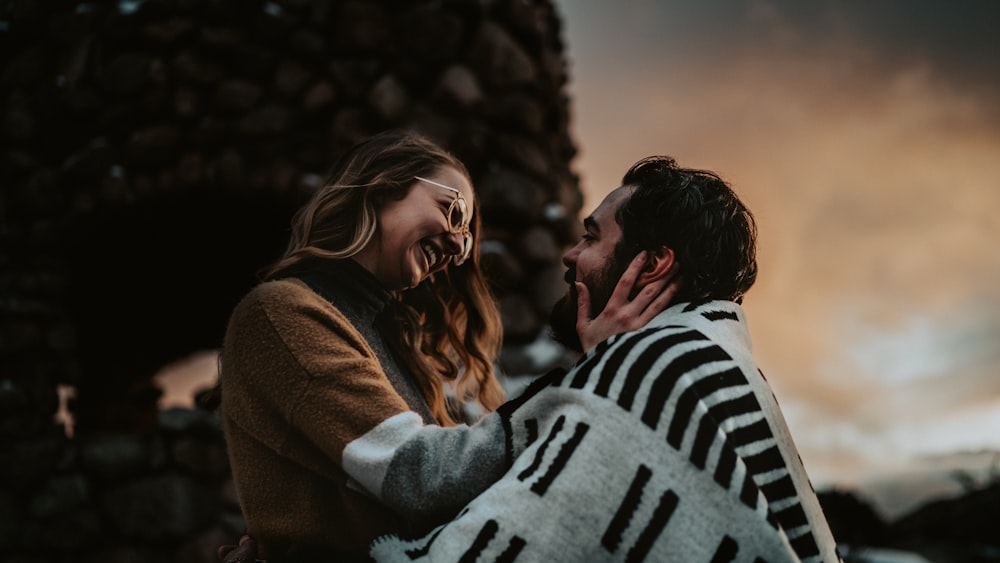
451 319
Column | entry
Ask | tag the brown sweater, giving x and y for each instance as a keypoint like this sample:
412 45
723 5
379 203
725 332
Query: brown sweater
299 385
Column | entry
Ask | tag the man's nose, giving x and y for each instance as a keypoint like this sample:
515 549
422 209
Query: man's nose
569 259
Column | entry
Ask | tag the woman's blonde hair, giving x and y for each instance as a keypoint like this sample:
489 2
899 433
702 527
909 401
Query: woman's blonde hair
449 328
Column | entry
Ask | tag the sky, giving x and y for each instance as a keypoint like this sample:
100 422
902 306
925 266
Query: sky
865 137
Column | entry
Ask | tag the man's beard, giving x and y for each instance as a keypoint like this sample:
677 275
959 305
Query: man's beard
562 319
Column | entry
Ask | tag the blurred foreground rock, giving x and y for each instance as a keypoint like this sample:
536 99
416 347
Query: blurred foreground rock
962 529
166 496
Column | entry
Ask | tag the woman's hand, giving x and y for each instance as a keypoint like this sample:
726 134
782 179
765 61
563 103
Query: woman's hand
621 314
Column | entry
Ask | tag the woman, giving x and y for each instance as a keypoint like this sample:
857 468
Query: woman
377 307
337 370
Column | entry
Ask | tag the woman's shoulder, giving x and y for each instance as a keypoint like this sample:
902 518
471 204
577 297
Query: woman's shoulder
281 289
289 308
289 298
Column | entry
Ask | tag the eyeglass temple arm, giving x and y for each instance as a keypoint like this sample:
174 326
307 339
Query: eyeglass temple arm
438 185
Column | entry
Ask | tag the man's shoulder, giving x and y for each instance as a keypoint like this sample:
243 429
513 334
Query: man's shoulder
722 322
700 313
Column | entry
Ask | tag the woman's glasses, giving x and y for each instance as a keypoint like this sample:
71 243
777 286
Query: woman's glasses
458 220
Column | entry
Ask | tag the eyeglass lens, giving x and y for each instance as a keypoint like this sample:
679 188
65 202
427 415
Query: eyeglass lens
459 220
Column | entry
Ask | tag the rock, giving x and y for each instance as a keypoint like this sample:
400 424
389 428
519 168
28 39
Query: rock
65 531
237 95
308 44
201 458
190 422
25 464
520 321
517 112
160 508
190 67
430 36
548 286
271 119
319 95
510 199
291 77
389 99
154 145
501 266
11 522
201 548
60 495
127 74
526 153
538 245
363 26
114 457
187 102
499 60
459 85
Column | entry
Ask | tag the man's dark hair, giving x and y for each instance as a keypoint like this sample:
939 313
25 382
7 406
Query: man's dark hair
695 213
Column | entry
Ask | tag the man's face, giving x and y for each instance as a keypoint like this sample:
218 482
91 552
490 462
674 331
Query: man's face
593 262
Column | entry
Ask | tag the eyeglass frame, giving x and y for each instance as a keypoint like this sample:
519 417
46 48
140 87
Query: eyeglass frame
465 219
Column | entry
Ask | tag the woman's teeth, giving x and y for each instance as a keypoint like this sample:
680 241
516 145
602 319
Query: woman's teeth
431 254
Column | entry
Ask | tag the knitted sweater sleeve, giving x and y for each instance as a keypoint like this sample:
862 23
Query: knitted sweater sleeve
299 377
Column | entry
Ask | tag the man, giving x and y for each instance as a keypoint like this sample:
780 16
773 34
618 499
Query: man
661 444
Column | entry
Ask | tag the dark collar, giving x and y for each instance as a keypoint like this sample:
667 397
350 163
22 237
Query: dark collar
347 284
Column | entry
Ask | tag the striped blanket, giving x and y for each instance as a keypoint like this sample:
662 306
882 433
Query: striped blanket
664 444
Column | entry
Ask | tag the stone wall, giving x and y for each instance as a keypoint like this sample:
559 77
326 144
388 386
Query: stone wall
152 154
157 497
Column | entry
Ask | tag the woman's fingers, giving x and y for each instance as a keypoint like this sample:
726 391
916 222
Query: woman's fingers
616 316
622 314
626 283
656 296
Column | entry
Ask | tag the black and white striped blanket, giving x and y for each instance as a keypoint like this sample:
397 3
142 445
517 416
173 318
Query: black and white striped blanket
664 444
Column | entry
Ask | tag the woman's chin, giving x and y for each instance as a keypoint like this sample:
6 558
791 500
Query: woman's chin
417 275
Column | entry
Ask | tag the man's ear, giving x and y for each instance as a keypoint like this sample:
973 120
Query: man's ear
657 266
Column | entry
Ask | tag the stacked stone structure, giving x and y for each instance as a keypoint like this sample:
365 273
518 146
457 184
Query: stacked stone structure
151 155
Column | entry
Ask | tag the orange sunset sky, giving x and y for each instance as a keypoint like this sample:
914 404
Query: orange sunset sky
865 138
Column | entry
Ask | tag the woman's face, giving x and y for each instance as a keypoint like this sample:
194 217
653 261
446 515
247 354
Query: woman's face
415 239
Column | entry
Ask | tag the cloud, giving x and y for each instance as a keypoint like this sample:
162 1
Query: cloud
953 43
894 393
957 39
